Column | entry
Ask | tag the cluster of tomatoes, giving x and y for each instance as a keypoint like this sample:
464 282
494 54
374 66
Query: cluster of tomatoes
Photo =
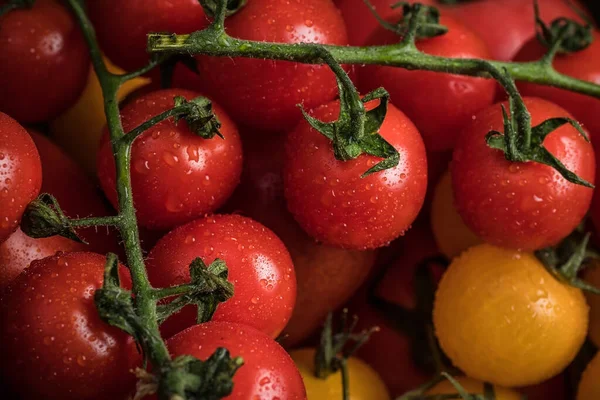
298 229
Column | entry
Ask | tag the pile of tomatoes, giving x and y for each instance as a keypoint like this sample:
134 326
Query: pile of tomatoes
301 232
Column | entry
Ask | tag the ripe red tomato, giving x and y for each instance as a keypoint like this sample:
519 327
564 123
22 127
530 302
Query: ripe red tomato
53 343
334 204
44 62
457 98
176 175
584 65
260 269
524 206
326 276
268 371
20 174
265 93
19 250
506 25
113 17
77 195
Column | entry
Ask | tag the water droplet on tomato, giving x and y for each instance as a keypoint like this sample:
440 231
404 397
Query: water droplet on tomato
170 159
255 300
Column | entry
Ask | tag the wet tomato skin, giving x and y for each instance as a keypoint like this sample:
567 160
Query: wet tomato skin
264 93
53 343
176 175
260 269
528 205
331 201
584 65
268 371
457 98
44 61
20 174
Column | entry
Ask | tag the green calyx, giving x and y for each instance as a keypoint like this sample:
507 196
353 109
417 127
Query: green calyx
563 35
43 218
418 21
208 288
211 7
565 260
521 142
199 116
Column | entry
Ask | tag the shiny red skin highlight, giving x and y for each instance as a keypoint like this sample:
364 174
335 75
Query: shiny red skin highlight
260 269
112 18
584 65
44 61
268 371
457 98
19 250
54 345
524 206
263 93
20 174
176 175
505 25
331 201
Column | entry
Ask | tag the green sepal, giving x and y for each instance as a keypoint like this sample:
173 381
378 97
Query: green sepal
200 118
211 6
563 35
190 378
207 289
43 218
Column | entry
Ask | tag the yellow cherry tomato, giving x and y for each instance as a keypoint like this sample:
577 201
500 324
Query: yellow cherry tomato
451 234
502 318
79 129
365 383
473 386
592 275
589 386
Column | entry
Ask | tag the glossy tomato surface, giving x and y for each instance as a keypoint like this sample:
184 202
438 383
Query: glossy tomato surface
20 174
137 18
331 201
438 117
584 65
260 269
54 345
176 175
521 205
326 276
44 61
268 371
265 93
505 25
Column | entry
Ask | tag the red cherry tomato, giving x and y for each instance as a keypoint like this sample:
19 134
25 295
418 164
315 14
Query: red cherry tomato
77 195
457 98
362 23
334 204
326 276
20 174
176 175
19 250
260 269
268 371
44 62
506 25
113 17
54 345
584 65
524 206
265 93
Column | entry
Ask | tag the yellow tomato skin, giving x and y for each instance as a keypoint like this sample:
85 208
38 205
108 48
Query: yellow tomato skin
589 386
502 318
592 275
78 130
365 383
451 234
473 386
